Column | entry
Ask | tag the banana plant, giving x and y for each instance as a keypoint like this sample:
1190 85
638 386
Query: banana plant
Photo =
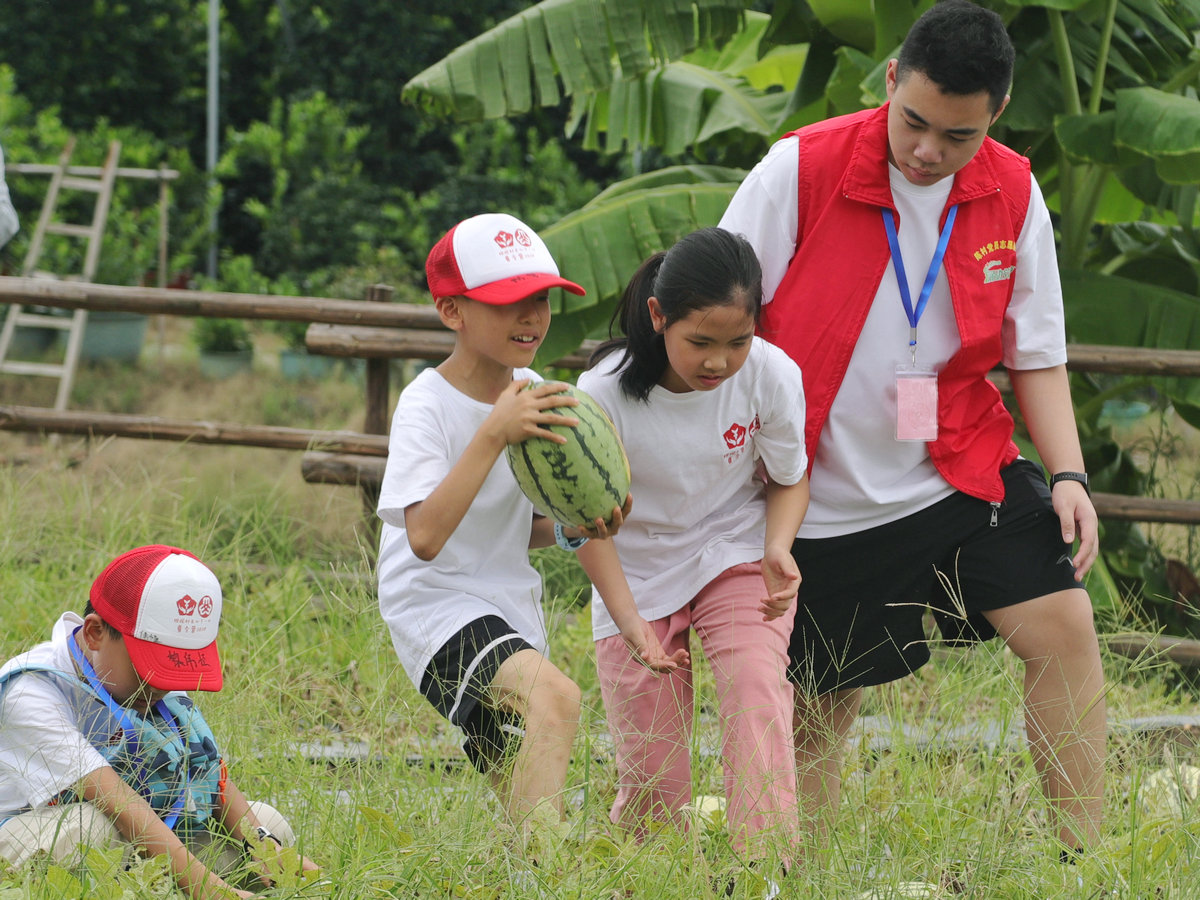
1104 103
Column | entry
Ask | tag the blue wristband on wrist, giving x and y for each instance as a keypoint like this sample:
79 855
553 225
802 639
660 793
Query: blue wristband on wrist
565 542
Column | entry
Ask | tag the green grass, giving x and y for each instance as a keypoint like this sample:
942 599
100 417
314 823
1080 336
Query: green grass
309 663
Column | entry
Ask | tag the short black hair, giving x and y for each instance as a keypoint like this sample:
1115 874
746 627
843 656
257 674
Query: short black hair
88 609
962 48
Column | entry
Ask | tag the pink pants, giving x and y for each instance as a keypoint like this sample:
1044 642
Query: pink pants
650 715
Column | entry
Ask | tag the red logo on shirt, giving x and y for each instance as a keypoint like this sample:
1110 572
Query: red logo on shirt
186 605
503 240
755 426
206 606
735 436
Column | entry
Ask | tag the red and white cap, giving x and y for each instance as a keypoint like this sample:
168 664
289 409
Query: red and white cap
167 605
493 258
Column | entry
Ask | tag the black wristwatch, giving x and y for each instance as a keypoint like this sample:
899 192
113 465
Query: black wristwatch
263 836
1081 477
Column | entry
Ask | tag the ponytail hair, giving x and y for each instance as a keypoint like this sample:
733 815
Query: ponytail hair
709 267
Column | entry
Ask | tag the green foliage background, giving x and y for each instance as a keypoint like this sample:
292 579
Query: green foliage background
326 182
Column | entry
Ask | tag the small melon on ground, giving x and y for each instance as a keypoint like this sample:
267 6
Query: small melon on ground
582 480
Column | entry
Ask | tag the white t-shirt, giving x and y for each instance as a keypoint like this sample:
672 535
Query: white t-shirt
484 567
862 476
699 503
49 727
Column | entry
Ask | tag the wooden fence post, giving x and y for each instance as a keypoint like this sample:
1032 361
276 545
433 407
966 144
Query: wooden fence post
378 406
378 372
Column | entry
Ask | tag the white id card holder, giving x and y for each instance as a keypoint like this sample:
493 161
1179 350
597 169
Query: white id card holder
916 403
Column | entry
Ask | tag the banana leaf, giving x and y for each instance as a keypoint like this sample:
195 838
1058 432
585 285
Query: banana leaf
519 64
601 245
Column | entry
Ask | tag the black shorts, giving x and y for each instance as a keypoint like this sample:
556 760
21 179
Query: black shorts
863 596
457 680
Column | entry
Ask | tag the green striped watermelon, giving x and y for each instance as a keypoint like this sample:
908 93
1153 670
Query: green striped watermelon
579 481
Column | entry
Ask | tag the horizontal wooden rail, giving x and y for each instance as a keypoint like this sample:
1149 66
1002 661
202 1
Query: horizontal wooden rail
371 342
91 171
425 338
1125 508
164 301
1132 360
37 419
319 467
1184 651
167 301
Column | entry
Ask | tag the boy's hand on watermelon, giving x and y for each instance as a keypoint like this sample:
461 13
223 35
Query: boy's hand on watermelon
782 579
601 529
519 414
648 649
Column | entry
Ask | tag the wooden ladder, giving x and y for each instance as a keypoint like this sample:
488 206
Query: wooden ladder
62 180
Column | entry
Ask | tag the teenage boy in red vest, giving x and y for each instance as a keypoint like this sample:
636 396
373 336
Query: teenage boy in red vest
919 498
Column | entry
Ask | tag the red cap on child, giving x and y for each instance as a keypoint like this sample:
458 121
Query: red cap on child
493 258
167 606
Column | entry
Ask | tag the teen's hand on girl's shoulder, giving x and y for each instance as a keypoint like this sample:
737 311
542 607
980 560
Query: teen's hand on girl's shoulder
782 578
649 651
519 414
601 529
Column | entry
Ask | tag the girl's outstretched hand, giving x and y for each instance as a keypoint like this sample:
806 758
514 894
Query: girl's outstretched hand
649 651
782 578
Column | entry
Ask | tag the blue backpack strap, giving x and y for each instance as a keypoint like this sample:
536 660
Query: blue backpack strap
12 673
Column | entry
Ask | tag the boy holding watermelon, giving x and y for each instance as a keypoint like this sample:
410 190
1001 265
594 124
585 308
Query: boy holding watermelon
456 587
867 226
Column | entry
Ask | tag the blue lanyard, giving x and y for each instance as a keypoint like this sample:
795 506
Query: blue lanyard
128 728
914 315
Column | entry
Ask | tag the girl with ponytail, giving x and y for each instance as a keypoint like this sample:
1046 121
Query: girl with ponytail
712 419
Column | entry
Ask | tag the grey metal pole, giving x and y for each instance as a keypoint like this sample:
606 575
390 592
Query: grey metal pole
214 83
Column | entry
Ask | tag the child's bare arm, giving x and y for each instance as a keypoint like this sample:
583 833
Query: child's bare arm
786 506
1044 396
603 567
137 822
517 416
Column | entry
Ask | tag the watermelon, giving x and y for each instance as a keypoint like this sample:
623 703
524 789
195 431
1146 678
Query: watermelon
582 480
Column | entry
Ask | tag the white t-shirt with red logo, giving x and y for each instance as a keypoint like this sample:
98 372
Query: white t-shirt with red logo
484 567
699 502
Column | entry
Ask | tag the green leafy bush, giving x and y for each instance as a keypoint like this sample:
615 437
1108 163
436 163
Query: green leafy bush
221 335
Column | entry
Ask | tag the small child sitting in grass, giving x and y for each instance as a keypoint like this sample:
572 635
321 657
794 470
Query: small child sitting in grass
99 747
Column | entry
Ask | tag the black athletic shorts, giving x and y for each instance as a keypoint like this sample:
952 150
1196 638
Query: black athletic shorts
863 596
456 682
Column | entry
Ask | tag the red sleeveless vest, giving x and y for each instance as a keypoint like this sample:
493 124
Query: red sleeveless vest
842 252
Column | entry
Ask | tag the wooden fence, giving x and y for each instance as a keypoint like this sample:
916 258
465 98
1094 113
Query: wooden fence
380 331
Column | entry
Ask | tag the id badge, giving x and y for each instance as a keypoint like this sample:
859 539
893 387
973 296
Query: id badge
916 403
